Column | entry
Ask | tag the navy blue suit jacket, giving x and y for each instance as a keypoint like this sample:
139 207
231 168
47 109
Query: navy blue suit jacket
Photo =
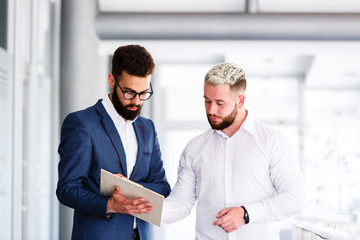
89 142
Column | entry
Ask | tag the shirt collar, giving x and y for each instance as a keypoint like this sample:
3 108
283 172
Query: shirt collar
110 109
247 125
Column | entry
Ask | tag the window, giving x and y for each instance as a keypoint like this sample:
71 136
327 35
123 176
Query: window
27 121
5 144
332 149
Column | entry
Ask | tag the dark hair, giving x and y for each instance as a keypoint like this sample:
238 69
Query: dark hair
133 59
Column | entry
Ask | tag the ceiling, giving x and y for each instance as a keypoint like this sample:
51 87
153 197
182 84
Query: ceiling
259 6
317 40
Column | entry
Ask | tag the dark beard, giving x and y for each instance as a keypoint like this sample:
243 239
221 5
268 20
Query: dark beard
122 110
227 121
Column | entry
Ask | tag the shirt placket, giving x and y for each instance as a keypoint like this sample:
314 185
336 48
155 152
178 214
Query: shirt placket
229 178
127 152
228 173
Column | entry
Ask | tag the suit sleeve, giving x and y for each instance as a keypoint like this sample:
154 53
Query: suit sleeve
75 151
156 180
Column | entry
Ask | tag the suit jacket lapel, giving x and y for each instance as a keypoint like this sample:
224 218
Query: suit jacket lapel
139 132
113 135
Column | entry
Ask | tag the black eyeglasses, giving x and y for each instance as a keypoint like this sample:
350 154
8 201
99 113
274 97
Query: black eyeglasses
129 95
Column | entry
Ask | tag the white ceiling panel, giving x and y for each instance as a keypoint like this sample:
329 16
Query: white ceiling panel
172 6
309 6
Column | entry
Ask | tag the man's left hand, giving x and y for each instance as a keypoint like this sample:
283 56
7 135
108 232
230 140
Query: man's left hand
230 219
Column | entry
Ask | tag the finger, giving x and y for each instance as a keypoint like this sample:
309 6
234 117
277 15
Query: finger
223 212
116 190
138 201
146 203
139 211
222 220
225 224
143 205
229 229
120 175
147 209
117 195
218 222
142 210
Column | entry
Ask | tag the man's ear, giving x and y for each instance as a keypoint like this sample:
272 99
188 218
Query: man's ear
111 80
241 100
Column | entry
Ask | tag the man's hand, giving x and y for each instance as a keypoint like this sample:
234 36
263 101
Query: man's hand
230 219
120 204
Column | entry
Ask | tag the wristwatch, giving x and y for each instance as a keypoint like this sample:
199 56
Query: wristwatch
246 215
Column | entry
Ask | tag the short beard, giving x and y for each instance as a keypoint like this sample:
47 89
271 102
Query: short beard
226 122
122 110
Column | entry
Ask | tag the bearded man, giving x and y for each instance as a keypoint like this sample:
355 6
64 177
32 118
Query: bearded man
241 175
111 135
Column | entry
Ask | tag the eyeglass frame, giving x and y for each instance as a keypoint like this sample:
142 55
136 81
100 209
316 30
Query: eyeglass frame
133 92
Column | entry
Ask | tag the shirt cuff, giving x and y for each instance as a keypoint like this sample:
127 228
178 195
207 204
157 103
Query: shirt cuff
256 212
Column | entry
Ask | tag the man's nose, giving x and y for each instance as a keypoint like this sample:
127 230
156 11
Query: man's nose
136 100
211 108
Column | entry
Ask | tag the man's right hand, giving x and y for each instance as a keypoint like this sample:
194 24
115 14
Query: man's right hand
120 204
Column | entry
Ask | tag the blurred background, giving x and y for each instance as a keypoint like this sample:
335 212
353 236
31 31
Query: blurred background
301 58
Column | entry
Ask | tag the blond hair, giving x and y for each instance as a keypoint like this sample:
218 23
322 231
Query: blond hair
229 73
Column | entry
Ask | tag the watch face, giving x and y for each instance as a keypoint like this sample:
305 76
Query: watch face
246 215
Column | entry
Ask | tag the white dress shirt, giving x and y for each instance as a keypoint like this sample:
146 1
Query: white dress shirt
254 167
127 135
126 132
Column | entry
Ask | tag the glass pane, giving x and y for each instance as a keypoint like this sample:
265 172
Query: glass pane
273 99
43 146
44 127
332 150
5 145
185 104
183 86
